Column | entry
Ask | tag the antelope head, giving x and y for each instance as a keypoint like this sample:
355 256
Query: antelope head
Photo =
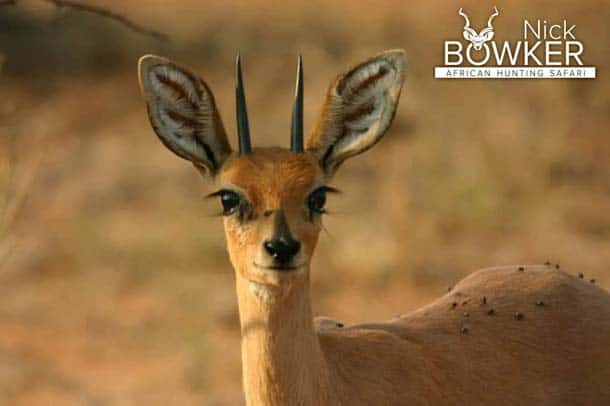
273 199
478 39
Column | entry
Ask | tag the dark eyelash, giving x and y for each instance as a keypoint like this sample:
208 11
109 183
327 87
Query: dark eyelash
244 211
217 193
329 189
318 212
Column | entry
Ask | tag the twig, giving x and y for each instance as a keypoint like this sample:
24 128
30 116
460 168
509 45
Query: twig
101 12
17 188
111 15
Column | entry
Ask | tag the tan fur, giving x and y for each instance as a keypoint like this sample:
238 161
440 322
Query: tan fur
503 336
558 353
272 179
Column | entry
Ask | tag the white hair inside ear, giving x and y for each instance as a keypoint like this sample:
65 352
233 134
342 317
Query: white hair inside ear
183 113
359 109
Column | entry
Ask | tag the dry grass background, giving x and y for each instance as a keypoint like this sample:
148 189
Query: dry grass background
114 284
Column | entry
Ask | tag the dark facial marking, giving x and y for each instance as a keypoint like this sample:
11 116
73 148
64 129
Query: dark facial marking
282 246
281 230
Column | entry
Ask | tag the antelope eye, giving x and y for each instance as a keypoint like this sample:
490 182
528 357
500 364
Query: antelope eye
317 200
230 201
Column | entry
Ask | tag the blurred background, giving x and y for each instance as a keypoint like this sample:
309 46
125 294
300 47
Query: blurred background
115 287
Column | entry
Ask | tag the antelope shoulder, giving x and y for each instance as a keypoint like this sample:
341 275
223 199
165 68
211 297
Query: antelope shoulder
533 333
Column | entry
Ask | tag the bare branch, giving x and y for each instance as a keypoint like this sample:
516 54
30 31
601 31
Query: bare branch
101 12
16 179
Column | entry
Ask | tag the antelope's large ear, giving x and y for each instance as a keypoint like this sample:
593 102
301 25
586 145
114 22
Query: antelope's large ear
183 113
359 108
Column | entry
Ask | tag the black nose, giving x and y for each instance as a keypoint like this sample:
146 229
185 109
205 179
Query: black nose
282 250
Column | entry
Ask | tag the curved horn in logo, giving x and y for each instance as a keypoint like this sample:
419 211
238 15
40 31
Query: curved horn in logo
477 39
491 17
468 33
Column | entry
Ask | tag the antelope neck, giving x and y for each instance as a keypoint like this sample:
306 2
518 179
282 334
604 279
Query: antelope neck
281 356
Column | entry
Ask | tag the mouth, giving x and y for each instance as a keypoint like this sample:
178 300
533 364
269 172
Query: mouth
278 268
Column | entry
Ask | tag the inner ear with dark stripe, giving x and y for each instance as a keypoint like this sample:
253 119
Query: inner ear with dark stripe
183 113
359 108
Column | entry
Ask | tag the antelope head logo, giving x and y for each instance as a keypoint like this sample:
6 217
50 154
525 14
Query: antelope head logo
478 39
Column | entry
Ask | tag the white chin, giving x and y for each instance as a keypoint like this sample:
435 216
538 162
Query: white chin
264 292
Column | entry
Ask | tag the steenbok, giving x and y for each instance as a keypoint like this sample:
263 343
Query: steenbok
518 335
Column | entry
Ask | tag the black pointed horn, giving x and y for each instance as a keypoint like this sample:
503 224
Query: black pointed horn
296 135
243 128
